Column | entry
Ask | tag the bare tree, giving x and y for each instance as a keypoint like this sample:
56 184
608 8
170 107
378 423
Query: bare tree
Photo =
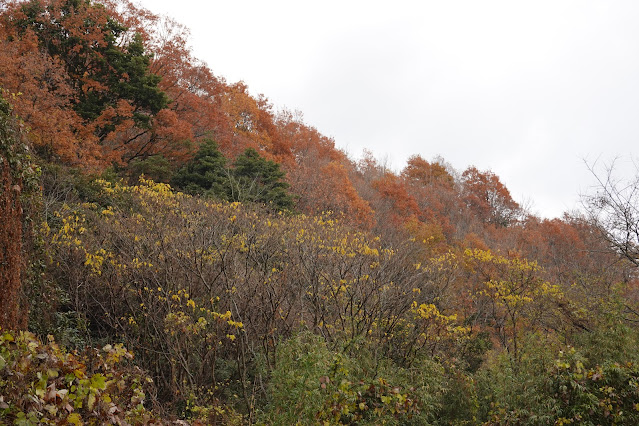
614 208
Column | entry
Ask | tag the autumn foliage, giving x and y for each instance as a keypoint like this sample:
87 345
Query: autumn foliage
190 254
18 187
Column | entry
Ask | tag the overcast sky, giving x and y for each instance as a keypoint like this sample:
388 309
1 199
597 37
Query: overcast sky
527 89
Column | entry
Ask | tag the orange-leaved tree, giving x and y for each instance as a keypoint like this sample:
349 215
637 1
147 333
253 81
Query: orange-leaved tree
488 198
94 77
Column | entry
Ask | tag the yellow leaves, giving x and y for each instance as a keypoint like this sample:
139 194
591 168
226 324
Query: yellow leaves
480 255
551 290
137 264
159 188
74 419
95 260
225 316
435 326
108 212
180 324
367 251
300 235
428 311
512 282
45 229
236 324
68 234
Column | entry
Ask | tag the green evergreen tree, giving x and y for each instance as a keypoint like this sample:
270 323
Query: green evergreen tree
155 167
205 174
256 179
251 179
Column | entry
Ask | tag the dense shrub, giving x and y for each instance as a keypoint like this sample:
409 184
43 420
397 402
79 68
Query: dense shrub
313 384
41 383
203 290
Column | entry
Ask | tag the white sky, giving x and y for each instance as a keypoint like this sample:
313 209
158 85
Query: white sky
526 89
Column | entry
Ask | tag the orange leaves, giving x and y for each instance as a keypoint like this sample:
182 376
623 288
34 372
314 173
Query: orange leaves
319 173
40 95
251 123
421 171
170 126
335 192
488 198
89 97
429 234
395 198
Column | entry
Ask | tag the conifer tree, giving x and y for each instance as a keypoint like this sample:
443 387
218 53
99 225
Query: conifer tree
205 174
257 179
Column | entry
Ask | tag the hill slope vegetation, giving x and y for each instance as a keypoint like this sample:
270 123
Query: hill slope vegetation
173 251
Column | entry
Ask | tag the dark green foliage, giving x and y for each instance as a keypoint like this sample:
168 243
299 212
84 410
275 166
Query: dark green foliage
66 185
205 174
125 73
251 179
614 340
568 389
475 350
257 179
155 167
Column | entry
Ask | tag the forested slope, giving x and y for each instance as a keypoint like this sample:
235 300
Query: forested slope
173 250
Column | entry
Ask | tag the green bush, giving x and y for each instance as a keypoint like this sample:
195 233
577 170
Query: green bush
313 384
600 395
517 392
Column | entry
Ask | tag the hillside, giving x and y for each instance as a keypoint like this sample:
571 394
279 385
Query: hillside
173 251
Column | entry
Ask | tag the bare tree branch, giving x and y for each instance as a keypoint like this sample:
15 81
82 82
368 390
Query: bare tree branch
614 209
